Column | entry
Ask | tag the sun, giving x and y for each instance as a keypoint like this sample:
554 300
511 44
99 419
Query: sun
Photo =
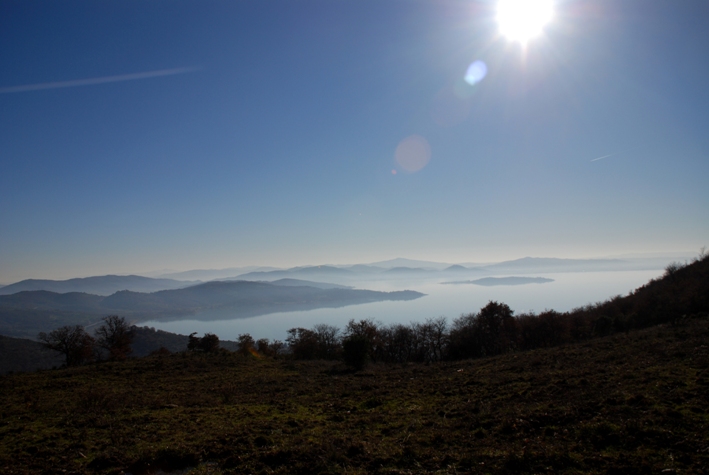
522 20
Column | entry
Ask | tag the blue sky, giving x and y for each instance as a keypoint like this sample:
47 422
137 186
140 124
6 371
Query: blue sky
265 132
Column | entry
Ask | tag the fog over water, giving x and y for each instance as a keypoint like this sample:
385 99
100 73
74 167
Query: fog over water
567 291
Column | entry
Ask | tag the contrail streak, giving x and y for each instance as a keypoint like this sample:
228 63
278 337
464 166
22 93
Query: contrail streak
93 81
601 158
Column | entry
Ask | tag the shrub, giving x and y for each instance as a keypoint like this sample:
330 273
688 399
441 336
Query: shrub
209 343
246 344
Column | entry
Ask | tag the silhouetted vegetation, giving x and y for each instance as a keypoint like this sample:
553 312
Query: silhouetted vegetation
73 343
115 337
355 351
246 344
209 343
322 342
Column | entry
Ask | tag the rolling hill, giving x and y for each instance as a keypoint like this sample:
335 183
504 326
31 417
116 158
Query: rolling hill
493 281
26 313
98 285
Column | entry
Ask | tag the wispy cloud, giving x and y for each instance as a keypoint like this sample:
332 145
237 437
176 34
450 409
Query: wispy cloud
601 158
94 81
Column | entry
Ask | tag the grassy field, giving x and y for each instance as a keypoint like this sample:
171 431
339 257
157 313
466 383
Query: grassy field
628 403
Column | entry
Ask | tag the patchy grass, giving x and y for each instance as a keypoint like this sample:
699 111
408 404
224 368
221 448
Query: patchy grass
629 403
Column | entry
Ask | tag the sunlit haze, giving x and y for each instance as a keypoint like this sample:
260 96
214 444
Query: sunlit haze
522 20
148 137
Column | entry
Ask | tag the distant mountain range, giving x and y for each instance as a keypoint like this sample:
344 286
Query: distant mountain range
26 313
353 273
429 270
403 262
321 272
101 285
493 281
399 268
547 264
212 274
308 283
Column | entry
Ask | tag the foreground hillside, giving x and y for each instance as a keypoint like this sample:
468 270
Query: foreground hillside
627 403
17 354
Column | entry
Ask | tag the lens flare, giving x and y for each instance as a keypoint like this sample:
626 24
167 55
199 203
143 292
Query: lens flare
413 153
476 72
522 20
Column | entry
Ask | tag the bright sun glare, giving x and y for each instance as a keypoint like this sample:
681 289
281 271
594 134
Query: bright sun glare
521 20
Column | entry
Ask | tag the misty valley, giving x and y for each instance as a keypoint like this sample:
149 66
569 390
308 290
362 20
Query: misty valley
567 291
267 303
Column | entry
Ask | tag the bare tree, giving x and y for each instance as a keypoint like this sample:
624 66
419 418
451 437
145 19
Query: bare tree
115 336
73 342
438 337
328 341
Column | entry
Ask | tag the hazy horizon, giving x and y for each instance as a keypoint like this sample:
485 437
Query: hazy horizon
165 273
140 136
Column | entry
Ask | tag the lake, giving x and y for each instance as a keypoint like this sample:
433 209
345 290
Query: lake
569 290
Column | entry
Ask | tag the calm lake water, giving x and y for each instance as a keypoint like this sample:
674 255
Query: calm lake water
569 290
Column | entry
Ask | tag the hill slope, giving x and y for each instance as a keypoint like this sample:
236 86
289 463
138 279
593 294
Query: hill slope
630 403
17 354
99 285
21 354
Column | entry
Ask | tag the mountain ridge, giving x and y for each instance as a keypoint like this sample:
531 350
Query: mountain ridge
26 313
97 285
349 271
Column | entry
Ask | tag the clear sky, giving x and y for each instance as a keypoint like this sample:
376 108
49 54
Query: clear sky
137 136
